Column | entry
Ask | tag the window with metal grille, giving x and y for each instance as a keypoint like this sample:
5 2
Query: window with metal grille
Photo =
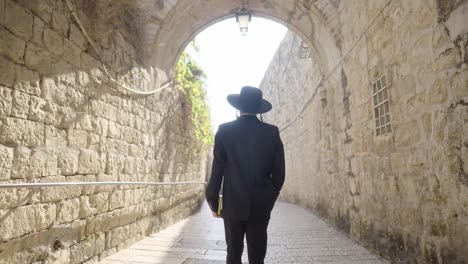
381 106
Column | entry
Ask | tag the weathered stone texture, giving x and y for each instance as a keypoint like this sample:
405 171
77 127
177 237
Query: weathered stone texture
7 74
12 47
404 194
62 120
38 59
18 20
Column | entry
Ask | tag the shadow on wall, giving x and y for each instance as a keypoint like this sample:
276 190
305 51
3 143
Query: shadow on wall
61 120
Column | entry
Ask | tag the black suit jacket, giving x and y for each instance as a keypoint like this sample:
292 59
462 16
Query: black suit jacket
249 155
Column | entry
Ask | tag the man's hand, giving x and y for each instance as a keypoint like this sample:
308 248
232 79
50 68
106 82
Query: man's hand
216 215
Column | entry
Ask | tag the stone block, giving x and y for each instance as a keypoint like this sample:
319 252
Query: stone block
417 158
53 42
103 222
84 82
71 53
129 197
21 132
116 200
88 162
446 60
68 162
53 91
77 138
2 12
61 66
12 46
26 219
16 222
134 150
93 205
55 137
87 248
12 198
77 37
407 134
18 20
427 125
42 9
117 236
55 194
37 58
43 162
105 178
90 189
20 168
68 117
5 101
130 166
38 30
102 109
464 159
45 215
101 126
460 86
6 162
45 112
68 210
94 142
60 23
27 81
113 130
398 161
130 215
62 92
7 74
66 78
456 23
20 106
125 118
440 127
83 122
97 76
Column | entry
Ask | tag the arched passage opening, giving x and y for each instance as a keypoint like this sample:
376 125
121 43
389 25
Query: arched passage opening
188 18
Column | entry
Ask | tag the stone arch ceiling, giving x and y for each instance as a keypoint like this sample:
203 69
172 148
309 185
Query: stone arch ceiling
171 24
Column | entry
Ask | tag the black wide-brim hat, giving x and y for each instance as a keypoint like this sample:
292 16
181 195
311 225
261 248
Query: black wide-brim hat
250 100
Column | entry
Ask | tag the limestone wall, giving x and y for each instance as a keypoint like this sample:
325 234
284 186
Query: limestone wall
62 120
404 193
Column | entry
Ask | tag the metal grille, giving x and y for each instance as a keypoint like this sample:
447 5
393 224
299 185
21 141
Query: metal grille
381 106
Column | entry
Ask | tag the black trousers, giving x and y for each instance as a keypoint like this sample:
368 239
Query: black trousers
256 234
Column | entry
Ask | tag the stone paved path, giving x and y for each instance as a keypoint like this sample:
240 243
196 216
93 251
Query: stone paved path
295 236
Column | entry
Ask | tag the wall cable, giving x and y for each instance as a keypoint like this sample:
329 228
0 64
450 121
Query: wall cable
93 45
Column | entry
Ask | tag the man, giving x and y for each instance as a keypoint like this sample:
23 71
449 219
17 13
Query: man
249 163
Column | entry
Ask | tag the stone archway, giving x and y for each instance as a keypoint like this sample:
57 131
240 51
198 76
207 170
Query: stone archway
164 40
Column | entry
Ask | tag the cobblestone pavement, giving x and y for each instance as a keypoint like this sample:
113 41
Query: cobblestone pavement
295 236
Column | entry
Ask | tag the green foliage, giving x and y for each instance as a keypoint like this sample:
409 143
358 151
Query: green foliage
191 80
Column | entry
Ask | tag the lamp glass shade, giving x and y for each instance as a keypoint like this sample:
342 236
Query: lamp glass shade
243 18
244 30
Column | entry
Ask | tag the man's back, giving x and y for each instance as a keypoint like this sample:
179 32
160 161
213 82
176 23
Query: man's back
249 155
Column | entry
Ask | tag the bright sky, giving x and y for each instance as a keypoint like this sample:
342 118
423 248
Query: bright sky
231 60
